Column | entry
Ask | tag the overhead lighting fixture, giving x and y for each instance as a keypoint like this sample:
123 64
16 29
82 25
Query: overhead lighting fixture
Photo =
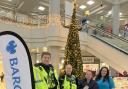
9 0
87 12
45 49
82 7
90 2
103 64
122 19
41 8
110 12
37 61
120 13
62 61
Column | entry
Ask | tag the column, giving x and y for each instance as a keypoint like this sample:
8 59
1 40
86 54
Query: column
68 12
54 7
54 18
55 56
115 18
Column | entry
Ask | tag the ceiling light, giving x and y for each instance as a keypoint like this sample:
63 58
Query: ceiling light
9 0
87 12
37 61
122 19
45 49
41 8
120 13
110 12
90 2
62 61
82 7
103 64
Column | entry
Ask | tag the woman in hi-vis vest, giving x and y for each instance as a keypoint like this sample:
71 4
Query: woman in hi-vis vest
68 80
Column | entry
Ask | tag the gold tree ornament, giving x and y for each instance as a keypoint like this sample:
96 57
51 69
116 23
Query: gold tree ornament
72 48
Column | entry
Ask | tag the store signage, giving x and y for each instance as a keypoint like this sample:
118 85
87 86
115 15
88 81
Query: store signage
16 61
88 59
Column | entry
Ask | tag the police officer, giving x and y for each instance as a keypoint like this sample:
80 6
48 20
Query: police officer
68 80
45 75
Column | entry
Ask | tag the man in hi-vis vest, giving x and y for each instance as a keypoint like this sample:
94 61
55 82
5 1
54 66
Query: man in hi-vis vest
45 75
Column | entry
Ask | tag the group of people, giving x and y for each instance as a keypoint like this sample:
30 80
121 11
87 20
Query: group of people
46 77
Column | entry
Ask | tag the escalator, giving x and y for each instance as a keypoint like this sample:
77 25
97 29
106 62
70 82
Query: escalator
109 47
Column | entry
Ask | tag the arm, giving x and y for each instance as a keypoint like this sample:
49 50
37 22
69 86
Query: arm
61 80
81 83
95 85
111 83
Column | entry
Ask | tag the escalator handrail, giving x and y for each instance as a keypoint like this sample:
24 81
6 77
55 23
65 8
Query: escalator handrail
103 31
111 34
112 45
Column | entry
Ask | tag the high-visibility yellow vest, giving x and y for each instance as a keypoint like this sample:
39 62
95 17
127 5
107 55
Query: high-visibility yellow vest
43 80
70 84
39 81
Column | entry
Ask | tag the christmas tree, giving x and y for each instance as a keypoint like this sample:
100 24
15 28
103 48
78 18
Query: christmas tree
72 49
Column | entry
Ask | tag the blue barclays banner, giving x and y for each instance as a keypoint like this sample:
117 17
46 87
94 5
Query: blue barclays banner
16 61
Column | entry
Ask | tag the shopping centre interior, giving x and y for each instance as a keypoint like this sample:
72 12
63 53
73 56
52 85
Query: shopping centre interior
43 24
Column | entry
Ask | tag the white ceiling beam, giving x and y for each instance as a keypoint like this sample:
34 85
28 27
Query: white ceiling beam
98 9
123 1
20 5
44 3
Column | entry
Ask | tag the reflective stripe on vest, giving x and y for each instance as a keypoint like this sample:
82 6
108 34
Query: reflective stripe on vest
68 85
47 78
39 81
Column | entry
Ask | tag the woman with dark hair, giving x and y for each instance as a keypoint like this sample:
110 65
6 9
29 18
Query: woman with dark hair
89 83
103 79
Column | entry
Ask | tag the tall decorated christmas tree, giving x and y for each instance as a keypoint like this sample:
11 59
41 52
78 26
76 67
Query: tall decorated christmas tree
72 49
